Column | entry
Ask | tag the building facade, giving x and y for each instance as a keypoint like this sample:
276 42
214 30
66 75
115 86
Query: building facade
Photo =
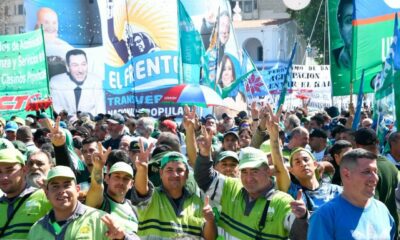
12 17
266 31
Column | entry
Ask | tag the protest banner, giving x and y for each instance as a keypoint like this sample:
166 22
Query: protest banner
23 76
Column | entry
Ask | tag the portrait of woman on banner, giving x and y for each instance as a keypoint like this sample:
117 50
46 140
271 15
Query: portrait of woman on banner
230 87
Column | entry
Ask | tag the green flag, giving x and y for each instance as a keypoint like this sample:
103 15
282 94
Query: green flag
191 48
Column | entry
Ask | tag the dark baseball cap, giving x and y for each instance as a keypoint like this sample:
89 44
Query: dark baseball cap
135 147
365 136
318 133
227 154
116 119
225 115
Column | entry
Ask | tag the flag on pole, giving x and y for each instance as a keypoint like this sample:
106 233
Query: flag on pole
212 57
281 100
387 96
191 48
254 84
357 115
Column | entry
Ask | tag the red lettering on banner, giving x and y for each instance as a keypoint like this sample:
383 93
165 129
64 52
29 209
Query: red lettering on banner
15 102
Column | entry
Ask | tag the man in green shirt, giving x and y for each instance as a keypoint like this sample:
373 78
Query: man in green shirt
21 206
70 219
119 181
171 211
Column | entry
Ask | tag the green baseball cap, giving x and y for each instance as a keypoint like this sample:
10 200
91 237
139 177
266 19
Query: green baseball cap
9 155
300 149
227 154
121 167
60 171
266 146
251 158
173 156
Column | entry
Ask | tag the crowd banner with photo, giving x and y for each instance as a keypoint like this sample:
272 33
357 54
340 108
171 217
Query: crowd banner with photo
360 36
23 74
120 56
142 49
309 83
223 60
74 52
372 35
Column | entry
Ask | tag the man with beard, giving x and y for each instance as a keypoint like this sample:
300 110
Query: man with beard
22 205
38 165
77 88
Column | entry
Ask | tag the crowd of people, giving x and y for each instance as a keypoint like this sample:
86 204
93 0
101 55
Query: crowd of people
262 174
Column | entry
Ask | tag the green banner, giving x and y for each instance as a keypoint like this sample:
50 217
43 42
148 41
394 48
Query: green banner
23 76
378 36
340 68
191 48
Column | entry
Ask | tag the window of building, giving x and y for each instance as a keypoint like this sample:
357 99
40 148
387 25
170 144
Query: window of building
21 29
260 54
6 11
247 6
20 9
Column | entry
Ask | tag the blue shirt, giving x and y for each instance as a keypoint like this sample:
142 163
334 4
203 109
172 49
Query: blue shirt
318 197
339 219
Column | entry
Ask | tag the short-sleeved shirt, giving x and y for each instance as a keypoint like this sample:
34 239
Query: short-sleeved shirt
339 219
318 197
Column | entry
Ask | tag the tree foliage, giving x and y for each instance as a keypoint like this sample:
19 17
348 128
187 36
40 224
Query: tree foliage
305 19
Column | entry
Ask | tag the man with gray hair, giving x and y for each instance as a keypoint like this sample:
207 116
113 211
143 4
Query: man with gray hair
38 165
291 122
144 128
354 214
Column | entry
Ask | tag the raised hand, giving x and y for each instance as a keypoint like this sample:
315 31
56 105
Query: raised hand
189 118
99 158
142 160
114 231
207 210
272 120
255 112
57 136
204 142
298 206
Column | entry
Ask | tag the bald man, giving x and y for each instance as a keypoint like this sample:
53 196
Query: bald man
48 19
